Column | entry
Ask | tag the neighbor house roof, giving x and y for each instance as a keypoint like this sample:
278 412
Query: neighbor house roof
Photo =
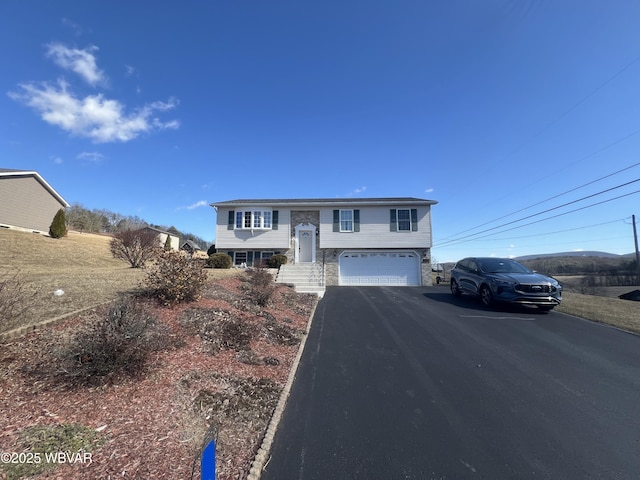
8 172
161 231
191 244
307 202
632 295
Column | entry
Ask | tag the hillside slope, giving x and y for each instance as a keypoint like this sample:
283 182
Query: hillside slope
80 265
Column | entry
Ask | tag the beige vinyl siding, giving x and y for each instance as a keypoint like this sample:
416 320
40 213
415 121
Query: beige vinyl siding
374 230
175 241
253 239
26 203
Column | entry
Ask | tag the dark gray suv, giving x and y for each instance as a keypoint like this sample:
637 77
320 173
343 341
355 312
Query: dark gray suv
504 280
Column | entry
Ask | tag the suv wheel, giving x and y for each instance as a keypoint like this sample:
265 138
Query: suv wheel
455 290
485 296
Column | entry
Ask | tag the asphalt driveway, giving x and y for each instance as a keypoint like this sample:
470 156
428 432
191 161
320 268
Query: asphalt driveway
409 383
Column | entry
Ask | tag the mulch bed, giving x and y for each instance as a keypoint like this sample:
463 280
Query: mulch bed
155 426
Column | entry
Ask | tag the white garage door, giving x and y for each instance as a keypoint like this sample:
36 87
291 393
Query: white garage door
379 268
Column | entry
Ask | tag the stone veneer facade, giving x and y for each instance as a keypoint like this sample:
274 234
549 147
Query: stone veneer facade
304 217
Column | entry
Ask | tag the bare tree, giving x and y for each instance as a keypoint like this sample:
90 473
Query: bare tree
135 246
17 297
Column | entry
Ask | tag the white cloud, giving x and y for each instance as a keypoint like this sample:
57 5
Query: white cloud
72 25
92 157
356 191
199 204
80 61
428 190
95 117
57 160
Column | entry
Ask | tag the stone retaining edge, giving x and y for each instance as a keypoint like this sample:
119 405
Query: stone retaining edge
20 331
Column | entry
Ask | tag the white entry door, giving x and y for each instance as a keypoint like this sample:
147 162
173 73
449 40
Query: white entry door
306 246
306 243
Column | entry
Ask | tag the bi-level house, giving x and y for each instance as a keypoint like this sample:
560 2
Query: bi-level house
337 241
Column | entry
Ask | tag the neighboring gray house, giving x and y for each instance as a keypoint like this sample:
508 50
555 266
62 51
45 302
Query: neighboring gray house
340 241
27 201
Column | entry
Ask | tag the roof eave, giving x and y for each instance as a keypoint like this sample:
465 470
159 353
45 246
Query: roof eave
43 182
326 202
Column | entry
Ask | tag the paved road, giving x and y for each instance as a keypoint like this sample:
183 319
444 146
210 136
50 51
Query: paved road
409 383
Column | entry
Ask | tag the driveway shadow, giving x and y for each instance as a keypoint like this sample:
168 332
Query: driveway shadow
443 295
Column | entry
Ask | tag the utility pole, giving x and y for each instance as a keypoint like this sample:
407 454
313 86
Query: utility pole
635 239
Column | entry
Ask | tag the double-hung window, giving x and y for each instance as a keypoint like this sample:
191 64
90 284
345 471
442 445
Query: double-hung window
266 219
346 220
404 220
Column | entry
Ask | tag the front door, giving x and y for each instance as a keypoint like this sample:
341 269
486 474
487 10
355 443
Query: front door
306 243
305 246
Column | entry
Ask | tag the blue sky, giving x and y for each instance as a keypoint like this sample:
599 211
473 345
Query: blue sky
499 110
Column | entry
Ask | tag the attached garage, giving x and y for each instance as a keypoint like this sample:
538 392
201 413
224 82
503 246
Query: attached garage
393 268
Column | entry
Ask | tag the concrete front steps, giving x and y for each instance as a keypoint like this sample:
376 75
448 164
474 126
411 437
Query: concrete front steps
305 277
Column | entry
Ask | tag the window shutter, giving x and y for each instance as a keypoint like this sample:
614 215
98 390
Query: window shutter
356 220
274 220
249 258
414 219
393 223
232 220
336 220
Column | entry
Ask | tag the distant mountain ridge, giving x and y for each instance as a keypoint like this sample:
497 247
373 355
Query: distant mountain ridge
574 254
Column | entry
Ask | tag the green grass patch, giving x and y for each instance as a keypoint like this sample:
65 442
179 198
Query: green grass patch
38 447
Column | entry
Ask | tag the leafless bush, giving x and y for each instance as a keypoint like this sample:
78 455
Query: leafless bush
175 278
260 286
117 341
249 357
219 329
281 334
16 299
137 247
245 400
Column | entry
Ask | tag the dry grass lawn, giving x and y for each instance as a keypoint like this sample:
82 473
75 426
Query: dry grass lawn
79 264
624 314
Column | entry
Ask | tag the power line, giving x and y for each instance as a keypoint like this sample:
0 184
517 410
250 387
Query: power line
546 211
466 238
539 133
573 107
553 122
591 240
557 231
557 195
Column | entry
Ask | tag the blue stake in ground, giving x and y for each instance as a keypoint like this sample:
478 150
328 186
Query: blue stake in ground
208 463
